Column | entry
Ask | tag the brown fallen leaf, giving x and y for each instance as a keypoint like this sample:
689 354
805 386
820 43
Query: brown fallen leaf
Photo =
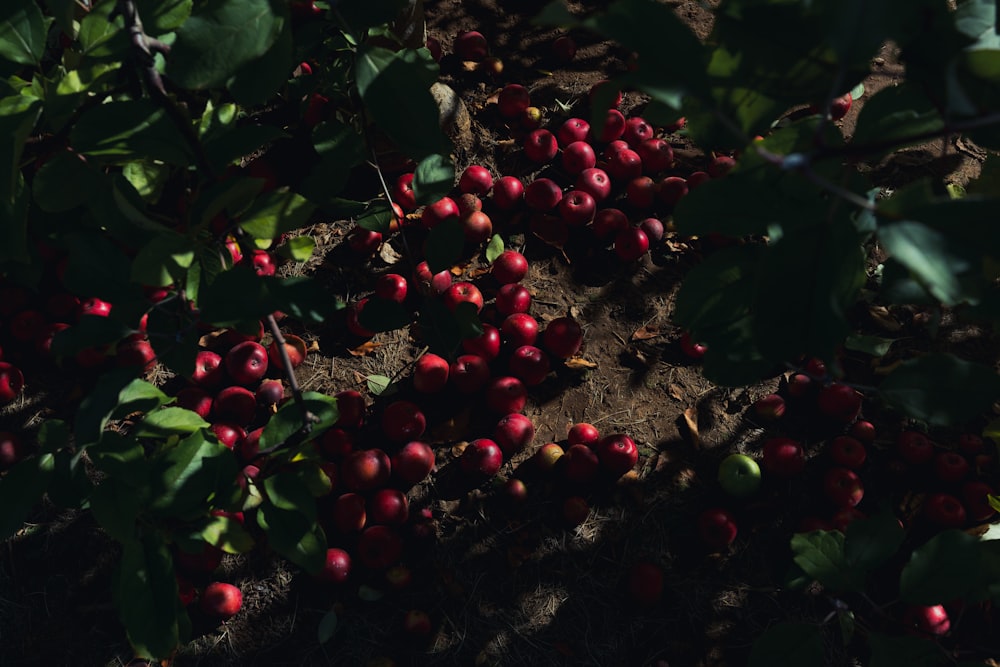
389 254
458 448
647 332
476 273
691 421
883 318
365 349
579 362
313 346
676 392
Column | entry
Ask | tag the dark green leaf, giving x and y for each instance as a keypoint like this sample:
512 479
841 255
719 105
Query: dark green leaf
444 245
719 290
186 475
941 389
433 179
870 542
146 596
821 555
231 197
893 114
163 261
21 488
116 506
294 536
97 406
341 148
905 651
258 80
102 37
276 212
441 328
53 435
69 486
160 16
64 182
789 644
928 253
943 569
90 331
18 115
120 132
220 37
14 232
230 145
384 315
22 32
169 421
389 81
121 458
239 296
357 17
288 419
225 533
285 491
147 177
377 218
873 345
555 13
327 627
732 358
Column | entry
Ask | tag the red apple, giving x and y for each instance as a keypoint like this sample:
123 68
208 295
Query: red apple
295 348
230 435
477 227
471 45
132 352
573 130
403 421
475 179
583 434
577 208
413 462
672 189
564 48
608 223
11 449
519 329
848 452
769 408
365 470
640 193
469 373
575 510
513 298
195 399
637 130
843 487
514 493
578 156
594 181
247 362
353 319
839 402
391 287
349 513
336 567
783 457
513 433
508 193
563 337
617 454
720 166
427 283
221 600
975 497
540 146
485 345
863 431
436 213
481 458
529 364
631 243
656 155
430 373
613 148
388 507
645 584
460 292
944 510
350 408
506 394
208 370
94 306
542 194
927 620
402 192
612 128
717 528
696 178
581 464
951 467
235 404
624 165
690 348
840 106
379 547
510 267
914 447
513 100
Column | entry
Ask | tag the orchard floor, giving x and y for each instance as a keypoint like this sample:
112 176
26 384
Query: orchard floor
503 586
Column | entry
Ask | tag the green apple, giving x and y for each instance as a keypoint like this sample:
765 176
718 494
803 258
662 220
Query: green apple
739 475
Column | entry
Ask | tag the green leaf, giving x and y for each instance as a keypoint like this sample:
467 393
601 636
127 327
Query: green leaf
941 389
288 419
909 651
116 507
928 254
14 231
139 395
327 627
298 248
146 597
147 177
53 435
121 458
220 37
790 644
384 315
169 421
893 114
873 345
228 146
820 554
494 248
360 16
21 488
225 533
96 407
276 212
717 291
64 182
444 330
90 331
163 260
294 536
444 245
101 36
160 16
18 115
377 217
121 132
943 569
377 384
259 80
433 179
239 297
870 542
340 148
389 81
23 28
186 475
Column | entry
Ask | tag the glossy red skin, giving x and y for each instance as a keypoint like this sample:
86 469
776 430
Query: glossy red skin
365 470
541 146
430 373
508 193
717 528
583 433
672 190
843 487
848 452
609 222
519 329
513 100
195 399
486 345
482 457
783 457
624 166
235 404
221 600
578 156
247 362
580 464
436 213
594 181
391 287
574 129
403 421
336 567
413 463
944 510
471 45
506 394
402 192
640 193
513 298
530 365
577 208
388 507
349 513
563 337
542 194
657 156
631 243
839 402
475 179
460 292
513 433
637 130
617 454
612 129
469 373
510 267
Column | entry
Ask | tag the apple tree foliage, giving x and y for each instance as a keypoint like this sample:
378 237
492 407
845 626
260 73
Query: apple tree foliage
137 136
796 198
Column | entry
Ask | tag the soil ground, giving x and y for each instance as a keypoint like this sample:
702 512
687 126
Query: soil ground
507 587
